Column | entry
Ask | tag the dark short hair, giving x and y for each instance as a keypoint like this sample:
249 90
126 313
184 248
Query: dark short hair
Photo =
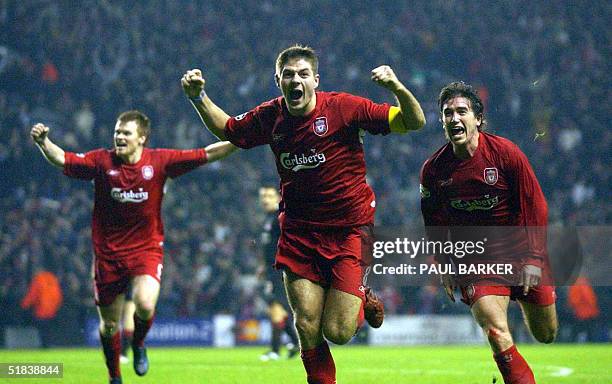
461 89
143 122
297 51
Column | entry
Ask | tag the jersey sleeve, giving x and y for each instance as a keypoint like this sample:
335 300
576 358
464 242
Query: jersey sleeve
432 208
81 165
367 115
531 204
179 162
249 129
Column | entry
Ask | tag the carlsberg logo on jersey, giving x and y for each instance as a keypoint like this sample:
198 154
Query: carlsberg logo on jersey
129 196
301 161
473 205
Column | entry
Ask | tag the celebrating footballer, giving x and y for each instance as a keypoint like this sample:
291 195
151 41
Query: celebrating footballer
127 229
327 208
482 183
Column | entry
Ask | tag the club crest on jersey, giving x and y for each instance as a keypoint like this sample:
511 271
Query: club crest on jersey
320 126
490 176
147 172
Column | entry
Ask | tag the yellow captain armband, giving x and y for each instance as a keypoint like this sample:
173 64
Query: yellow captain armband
396 122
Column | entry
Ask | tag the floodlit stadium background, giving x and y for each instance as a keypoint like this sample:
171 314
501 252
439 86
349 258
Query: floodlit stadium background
542 69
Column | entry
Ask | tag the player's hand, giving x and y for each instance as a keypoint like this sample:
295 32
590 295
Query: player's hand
39 133
193 83
385 77
530 277
450 285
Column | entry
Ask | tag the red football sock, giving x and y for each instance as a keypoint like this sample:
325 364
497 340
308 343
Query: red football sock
319 364
112 348
126 340
141 328
513 367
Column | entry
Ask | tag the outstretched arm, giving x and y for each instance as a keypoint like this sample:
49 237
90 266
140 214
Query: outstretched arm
213 117
219 150
54 154
412 116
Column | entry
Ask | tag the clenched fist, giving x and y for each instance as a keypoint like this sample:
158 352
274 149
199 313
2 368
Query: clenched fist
39 133
193 83
385 77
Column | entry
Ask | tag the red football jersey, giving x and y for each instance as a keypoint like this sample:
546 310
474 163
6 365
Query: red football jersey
319 157
128 197
494 188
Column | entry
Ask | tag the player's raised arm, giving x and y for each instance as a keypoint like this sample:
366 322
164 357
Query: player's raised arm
213 117
54 154
219 150
410 116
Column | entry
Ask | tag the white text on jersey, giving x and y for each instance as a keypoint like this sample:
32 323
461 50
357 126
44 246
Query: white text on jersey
301 161
129 196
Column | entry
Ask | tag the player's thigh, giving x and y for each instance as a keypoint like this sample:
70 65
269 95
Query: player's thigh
541 320
491 311
110 315
341 312
306 298
145 291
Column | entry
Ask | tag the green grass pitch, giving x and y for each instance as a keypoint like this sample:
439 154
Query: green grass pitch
559 364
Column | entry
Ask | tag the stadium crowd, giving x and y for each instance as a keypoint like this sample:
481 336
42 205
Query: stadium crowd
544 77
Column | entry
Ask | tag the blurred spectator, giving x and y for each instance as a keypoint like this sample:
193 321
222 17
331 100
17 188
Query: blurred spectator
45 298
582 300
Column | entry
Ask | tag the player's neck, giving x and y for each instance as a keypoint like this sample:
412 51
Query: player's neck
134 157
466 151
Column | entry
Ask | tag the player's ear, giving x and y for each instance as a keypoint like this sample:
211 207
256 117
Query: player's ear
316 77
277 80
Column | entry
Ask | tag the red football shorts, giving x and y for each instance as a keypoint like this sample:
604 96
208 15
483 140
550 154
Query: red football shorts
540 295
112 277
333 257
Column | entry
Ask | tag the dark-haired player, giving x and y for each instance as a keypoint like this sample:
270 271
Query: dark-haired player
327 208
127 229
480 179
274 291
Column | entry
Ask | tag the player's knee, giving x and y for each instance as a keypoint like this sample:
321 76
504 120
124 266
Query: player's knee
307 326
145 309
337 333
546 335
498 336
108 327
